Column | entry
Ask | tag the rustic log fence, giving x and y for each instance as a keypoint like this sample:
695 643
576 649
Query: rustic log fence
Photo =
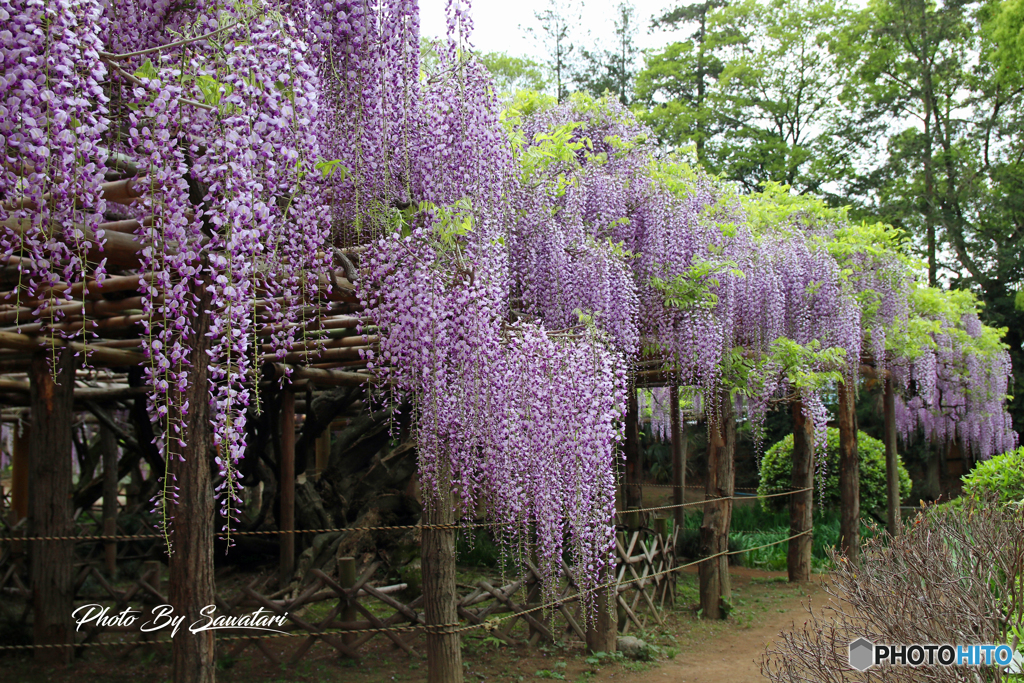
346 610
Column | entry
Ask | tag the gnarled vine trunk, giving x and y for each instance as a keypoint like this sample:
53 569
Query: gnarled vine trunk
191 564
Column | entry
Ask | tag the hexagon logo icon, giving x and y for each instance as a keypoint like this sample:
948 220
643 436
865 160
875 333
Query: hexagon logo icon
861 651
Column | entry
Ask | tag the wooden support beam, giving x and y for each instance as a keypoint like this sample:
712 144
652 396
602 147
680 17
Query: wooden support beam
714 531
849 474
678 437
20 471
98 354
109 450
633 490
287 483
440 594
892 459
798 558
319 376
50 505
347 579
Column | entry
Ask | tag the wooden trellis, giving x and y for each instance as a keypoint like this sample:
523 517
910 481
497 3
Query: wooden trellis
358 611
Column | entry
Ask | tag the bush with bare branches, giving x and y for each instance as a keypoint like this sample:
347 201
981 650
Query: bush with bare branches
954 576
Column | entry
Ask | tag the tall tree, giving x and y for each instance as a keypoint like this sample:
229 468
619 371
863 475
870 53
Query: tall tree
935 108
753 89
613 70
513 73
675 83
555 36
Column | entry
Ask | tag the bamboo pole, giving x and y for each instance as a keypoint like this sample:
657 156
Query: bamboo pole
320 377
24 342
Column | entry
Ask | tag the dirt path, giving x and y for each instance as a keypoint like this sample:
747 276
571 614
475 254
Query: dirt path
731 651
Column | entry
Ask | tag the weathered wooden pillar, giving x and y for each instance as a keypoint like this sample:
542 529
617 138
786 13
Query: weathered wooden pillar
287 521
49 511
798 558
678 457
892 474
108 449
602 630
714 531
20 460
849 475
440 597
191 586
347 579
633 493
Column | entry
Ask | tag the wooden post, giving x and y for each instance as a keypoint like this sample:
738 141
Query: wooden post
347 579
634 468
892 474
20 460
714 531
287 521
602 629
191 585
50 503
678 457
798 558
108 448
849 475
440 598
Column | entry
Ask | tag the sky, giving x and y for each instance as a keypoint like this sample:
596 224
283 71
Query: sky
500 25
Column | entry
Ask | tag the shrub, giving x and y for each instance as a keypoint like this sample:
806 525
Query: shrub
777 472
1003 475
953 576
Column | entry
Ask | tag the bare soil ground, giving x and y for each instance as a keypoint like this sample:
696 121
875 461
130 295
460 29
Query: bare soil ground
691 650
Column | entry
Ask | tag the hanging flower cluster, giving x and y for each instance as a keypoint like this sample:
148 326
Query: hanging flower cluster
225 137
955 385
53 117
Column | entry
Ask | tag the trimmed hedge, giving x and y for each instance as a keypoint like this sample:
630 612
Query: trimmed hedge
1002 475
777 472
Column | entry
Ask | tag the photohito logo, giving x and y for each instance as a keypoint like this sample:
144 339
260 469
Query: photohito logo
864 654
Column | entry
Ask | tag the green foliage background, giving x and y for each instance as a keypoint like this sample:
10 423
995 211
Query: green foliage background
777 469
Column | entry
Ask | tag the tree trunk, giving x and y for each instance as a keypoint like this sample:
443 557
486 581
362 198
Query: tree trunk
892 474
849 475
287 484
191 564
678 457
714 531
440 597
633 497
50 503
798 559
108 448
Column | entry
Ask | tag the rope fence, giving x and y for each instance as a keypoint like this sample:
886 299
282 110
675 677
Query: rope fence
489 625
405 527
